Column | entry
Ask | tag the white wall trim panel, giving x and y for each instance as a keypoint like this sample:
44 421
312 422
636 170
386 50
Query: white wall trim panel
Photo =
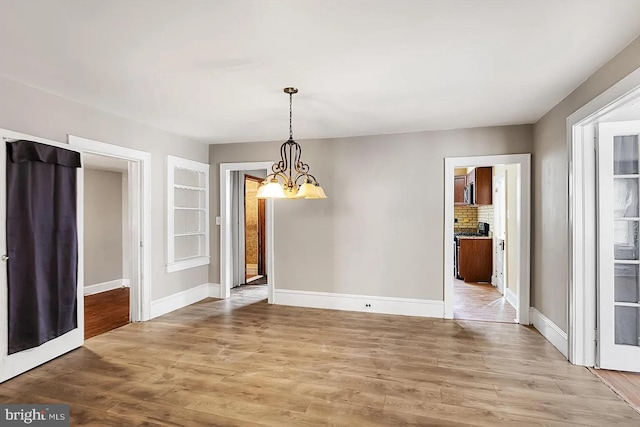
106 286
349 302
511 297
550 331
182 299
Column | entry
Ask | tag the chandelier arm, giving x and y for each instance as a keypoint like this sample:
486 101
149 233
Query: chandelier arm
300 175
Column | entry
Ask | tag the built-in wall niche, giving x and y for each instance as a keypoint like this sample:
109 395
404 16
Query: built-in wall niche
187 214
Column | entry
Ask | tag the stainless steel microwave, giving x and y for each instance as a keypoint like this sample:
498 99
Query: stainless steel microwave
469 194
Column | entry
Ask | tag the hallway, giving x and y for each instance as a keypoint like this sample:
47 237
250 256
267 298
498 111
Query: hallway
481 301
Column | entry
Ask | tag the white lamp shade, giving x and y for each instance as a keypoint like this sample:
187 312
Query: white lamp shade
318 193
272 190
291 193
307 191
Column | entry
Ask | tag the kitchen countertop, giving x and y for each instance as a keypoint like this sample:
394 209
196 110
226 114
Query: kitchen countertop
475 237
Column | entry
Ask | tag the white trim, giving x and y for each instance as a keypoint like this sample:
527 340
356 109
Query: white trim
523 214
106 286
141 291
552 332
184 298
511 297
582 221
188 263
226 252
214 290
350 302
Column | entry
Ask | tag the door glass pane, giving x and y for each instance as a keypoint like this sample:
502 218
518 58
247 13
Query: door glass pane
625 240
626 283
625 155
627 326
625 198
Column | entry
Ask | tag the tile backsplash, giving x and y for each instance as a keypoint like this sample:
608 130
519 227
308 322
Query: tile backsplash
467 217
485 214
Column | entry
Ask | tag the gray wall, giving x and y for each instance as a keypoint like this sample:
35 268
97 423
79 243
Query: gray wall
550 288
102 226
32 111
381 230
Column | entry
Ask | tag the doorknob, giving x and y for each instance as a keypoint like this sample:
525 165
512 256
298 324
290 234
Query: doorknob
4 257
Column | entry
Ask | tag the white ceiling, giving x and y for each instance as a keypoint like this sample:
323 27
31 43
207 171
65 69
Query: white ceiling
214 70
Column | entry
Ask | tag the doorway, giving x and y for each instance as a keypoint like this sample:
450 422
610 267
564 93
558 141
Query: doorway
476 245
254 232
137 251
604 303
233 264
107 244
485 243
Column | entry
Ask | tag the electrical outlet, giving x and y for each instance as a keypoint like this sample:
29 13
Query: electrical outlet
368 305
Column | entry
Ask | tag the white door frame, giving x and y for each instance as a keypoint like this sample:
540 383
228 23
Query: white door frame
582 217
523 215
226 253
141 288
12 365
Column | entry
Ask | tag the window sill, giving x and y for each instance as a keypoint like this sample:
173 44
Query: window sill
188 263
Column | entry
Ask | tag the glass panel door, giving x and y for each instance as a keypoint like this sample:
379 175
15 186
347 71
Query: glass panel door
619 246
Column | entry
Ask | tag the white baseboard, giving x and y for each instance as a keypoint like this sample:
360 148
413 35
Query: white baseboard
511 298
106 286
382 305
550 331
182 299
214 290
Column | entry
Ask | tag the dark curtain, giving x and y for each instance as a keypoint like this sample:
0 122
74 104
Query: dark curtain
42 243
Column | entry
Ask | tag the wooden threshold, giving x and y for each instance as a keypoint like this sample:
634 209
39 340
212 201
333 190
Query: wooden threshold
624 384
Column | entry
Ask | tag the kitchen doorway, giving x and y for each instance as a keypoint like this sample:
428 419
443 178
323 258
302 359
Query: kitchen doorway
490 266
481 243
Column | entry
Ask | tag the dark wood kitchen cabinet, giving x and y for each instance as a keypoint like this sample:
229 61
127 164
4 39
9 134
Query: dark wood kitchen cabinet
483 185
475 258
459 183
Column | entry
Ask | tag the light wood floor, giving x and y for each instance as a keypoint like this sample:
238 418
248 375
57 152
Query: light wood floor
626 384
244 362
480 301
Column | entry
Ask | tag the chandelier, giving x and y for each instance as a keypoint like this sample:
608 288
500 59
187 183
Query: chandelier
290 178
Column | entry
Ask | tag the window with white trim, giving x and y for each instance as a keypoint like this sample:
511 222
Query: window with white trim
187 214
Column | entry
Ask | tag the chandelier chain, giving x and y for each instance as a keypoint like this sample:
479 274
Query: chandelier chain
290 116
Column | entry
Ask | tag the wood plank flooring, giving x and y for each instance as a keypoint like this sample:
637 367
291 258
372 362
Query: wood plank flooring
243 362
105 311
626 384
480 301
